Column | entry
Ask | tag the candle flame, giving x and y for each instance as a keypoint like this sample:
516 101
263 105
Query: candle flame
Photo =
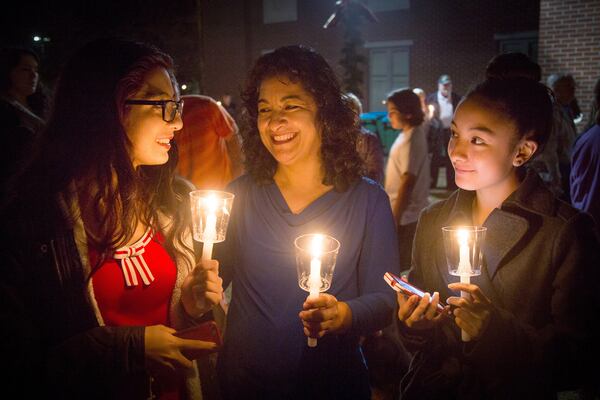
316 246
211 203
463 237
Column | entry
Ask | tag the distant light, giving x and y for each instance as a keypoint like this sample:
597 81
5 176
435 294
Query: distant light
183 87
36 38
45 39
383 102
219 102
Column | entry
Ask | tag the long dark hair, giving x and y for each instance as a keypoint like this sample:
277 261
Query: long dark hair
335 117
85 143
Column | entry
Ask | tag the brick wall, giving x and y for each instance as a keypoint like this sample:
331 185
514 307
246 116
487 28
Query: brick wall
569 41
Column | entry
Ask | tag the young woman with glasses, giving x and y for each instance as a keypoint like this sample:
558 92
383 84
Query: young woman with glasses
99 271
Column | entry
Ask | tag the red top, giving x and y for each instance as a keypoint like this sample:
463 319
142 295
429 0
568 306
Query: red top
135 287
140 304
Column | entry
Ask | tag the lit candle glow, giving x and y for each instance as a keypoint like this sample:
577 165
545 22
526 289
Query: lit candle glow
209 235
314 279
464 268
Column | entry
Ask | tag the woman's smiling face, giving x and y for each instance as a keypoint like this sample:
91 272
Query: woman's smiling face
287 121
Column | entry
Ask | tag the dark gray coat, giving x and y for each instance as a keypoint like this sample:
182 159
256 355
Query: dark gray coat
540 270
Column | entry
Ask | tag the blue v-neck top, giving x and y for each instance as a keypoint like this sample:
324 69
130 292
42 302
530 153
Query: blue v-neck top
264 340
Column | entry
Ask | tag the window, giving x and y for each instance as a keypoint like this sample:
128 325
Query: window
279 11
520 42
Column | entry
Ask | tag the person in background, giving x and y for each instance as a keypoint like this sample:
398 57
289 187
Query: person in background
303 176
229 105
594 108
563 86
368 144
585 167
427 111
208 144
23 109
98 268
444 102
532 314
407 172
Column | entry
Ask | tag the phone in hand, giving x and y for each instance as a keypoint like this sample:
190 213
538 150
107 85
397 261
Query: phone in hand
207 331
402 286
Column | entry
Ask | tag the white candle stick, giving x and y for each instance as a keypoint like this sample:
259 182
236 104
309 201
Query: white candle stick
464 269
210 230
314 279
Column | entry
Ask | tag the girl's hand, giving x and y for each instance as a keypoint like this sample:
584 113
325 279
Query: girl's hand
325 315
164 351
202 288
419 313
473 313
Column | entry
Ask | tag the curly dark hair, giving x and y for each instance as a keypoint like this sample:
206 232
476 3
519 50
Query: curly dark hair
335 118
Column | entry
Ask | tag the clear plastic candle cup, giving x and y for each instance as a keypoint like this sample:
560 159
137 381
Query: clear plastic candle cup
462 245
315 261
210 215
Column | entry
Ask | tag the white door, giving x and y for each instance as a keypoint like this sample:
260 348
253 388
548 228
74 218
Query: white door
388 70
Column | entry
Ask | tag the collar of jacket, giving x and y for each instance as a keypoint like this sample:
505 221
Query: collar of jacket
507 225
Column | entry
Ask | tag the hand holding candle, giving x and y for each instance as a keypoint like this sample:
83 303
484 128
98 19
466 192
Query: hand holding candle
210 215
463 254
315 261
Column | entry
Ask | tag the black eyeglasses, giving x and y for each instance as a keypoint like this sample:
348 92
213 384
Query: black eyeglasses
170 108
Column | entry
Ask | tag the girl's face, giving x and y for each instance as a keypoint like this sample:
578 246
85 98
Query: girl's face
149 134
287 121
24 76
484 148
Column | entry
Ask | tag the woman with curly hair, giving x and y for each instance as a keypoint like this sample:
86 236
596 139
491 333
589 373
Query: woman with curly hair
303 176
98 269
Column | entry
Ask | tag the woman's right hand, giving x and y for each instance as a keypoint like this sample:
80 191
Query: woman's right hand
419 313
165 350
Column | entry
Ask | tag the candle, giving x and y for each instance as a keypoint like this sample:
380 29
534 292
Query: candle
314 279
431 109
464 269
209 235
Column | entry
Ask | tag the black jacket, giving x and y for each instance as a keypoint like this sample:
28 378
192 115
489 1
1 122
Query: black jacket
52 341
541 268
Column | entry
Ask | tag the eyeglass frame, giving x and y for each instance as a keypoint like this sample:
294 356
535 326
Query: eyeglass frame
162 103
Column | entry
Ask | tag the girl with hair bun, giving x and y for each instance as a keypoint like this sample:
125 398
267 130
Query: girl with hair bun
532 313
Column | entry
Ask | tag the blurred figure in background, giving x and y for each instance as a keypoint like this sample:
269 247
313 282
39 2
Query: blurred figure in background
444 102
209 145
594 108
23 107
585 168
563 86
427 110
368 144
407 172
